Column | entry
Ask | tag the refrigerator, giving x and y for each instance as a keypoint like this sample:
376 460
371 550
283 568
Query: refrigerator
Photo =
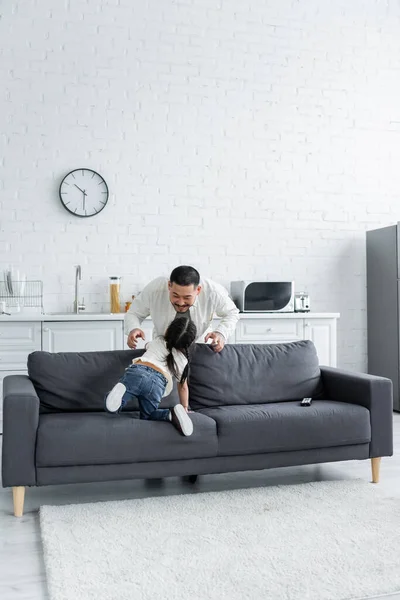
383 305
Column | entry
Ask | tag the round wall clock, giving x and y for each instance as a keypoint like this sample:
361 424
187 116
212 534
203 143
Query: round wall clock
83 192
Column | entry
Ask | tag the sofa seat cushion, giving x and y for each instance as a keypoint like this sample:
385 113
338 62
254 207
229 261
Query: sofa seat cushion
285 426
71 439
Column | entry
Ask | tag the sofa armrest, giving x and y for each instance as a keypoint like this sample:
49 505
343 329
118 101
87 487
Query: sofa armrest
20 425
375 393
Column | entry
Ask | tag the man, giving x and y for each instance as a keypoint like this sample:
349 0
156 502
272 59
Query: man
183 295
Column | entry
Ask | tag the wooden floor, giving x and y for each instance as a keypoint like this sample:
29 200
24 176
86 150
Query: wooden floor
21 556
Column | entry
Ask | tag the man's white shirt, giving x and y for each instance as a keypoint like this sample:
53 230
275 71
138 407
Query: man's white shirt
212 301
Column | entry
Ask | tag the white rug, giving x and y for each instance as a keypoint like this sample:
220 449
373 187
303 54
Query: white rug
314 541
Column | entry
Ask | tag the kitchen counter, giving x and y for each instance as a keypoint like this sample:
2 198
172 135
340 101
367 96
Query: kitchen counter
19 317
287 315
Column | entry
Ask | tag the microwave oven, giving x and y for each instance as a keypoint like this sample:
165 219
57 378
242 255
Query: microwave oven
263 296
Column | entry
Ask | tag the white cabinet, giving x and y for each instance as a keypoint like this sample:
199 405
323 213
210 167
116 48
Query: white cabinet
323 333
274 330
17 340
257 329
82 336
20 335
269 331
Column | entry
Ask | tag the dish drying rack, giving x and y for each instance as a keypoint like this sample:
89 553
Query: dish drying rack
22 294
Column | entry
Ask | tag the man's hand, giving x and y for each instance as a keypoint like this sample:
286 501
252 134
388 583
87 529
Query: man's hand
132 340
218 340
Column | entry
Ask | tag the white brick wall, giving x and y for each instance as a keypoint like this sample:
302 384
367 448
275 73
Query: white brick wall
252 139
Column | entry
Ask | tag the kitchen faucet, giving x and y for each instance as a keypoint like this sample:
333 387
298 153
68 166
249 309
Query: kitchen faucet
77 305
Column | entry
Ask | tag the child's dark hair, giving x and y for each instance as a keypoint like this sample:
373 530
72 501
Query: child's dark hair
181 334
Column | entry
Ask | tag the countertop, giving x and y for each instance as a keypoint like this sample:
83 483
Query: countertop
25 316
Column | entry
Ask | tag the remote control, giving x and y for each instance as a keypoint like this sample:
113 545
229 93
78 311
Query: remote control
306 402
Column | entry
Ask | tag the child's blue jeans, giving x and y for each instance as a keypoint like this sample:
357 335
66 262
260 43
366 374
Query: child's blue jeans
148 386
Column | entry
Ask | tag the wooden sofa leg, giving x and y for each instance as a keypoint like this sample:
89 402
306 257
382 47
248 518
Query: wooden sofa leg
375 465
18 499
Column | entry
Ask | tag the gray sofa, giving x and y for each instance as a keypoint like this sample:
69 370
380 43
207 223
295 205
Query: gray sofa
247 415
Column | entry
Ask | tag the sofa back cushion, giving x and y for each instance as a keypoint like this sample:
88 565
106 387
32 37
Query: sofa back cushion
253 374
240 374
77 381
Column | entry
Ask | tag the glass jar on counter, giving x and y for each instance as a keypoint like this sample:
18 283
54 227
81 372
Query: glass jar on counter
115 294
128 303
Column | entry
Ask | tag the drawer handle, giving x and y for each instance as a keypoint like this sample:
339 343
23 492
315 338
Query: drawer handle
269 329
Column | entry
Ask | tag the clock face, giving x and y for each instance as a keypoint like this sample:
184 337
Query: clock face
83 192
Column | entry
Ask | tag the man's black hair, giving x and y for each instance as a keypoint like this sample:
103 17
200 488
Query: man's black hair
185 275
